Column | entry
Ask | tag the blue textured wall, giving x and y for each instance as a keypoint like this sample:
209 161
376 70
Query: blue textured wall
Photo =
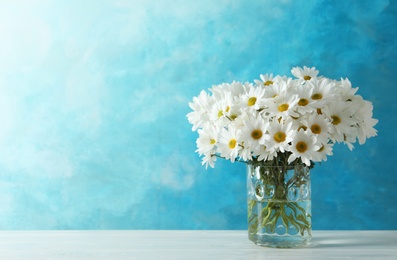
94 97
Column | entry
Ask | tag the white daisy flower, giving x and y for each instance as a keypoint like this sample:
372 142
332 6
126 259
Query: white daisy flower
323 89
340 116
209 159
350 138
233 111
365 122
300 118
280 135
344 88
324 151
219 91
228 145
207 140
305 103
266 80
218 113
264 154
253 97
318 125
253 134
200 105
283 106
300 122
246 152
305 73
286 79
277 89
305 147
234 89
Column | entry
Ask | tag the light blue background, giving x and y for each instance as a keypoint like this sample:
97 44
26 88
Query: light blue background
94 97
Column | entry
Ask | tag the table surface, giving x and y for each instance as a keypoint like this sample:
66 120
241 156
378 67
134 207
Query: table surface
187 244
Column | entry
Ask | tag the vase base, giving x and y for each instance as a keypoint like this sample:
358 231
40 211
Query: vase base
277 241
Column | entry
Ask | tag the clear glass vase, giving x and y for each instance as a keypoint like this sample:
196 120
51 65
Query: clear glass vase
279 205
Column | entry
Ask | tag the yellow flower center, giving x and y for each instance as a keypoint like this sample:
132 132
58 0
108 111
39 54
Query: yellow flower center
307 77
316 129
232 143
301 147
302 127
227 109
251 101
336 120
220 113
257 134
283 107
212 141
279 137
303 102
317 96
268 83
233 117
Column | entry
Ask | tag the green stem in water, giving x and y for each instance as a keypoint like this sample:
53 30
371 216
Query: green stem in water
278 209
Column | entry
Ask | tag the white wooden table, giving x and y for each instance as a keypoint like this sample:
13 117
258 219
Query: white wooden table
154 244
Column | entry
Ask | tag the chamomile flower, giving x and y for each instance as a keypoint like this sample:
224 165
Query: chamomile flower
246 152
340 116
266 80
253 134
277 89
365 122
234 89
219 91
324 151
305 103
209 159
218 113
344 88
253 97
280 135
265 154
228 145
207 140
283 106
200 106
318 125
323 90
280 118
304 146
233 111
350 138
305 73
300 122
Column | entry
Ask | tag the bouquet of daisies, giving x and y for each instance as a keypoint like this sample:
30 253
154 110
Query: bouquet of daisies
297 120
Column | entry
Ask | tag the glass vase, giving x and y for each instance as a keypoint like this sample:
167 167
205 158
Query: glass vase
279 205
